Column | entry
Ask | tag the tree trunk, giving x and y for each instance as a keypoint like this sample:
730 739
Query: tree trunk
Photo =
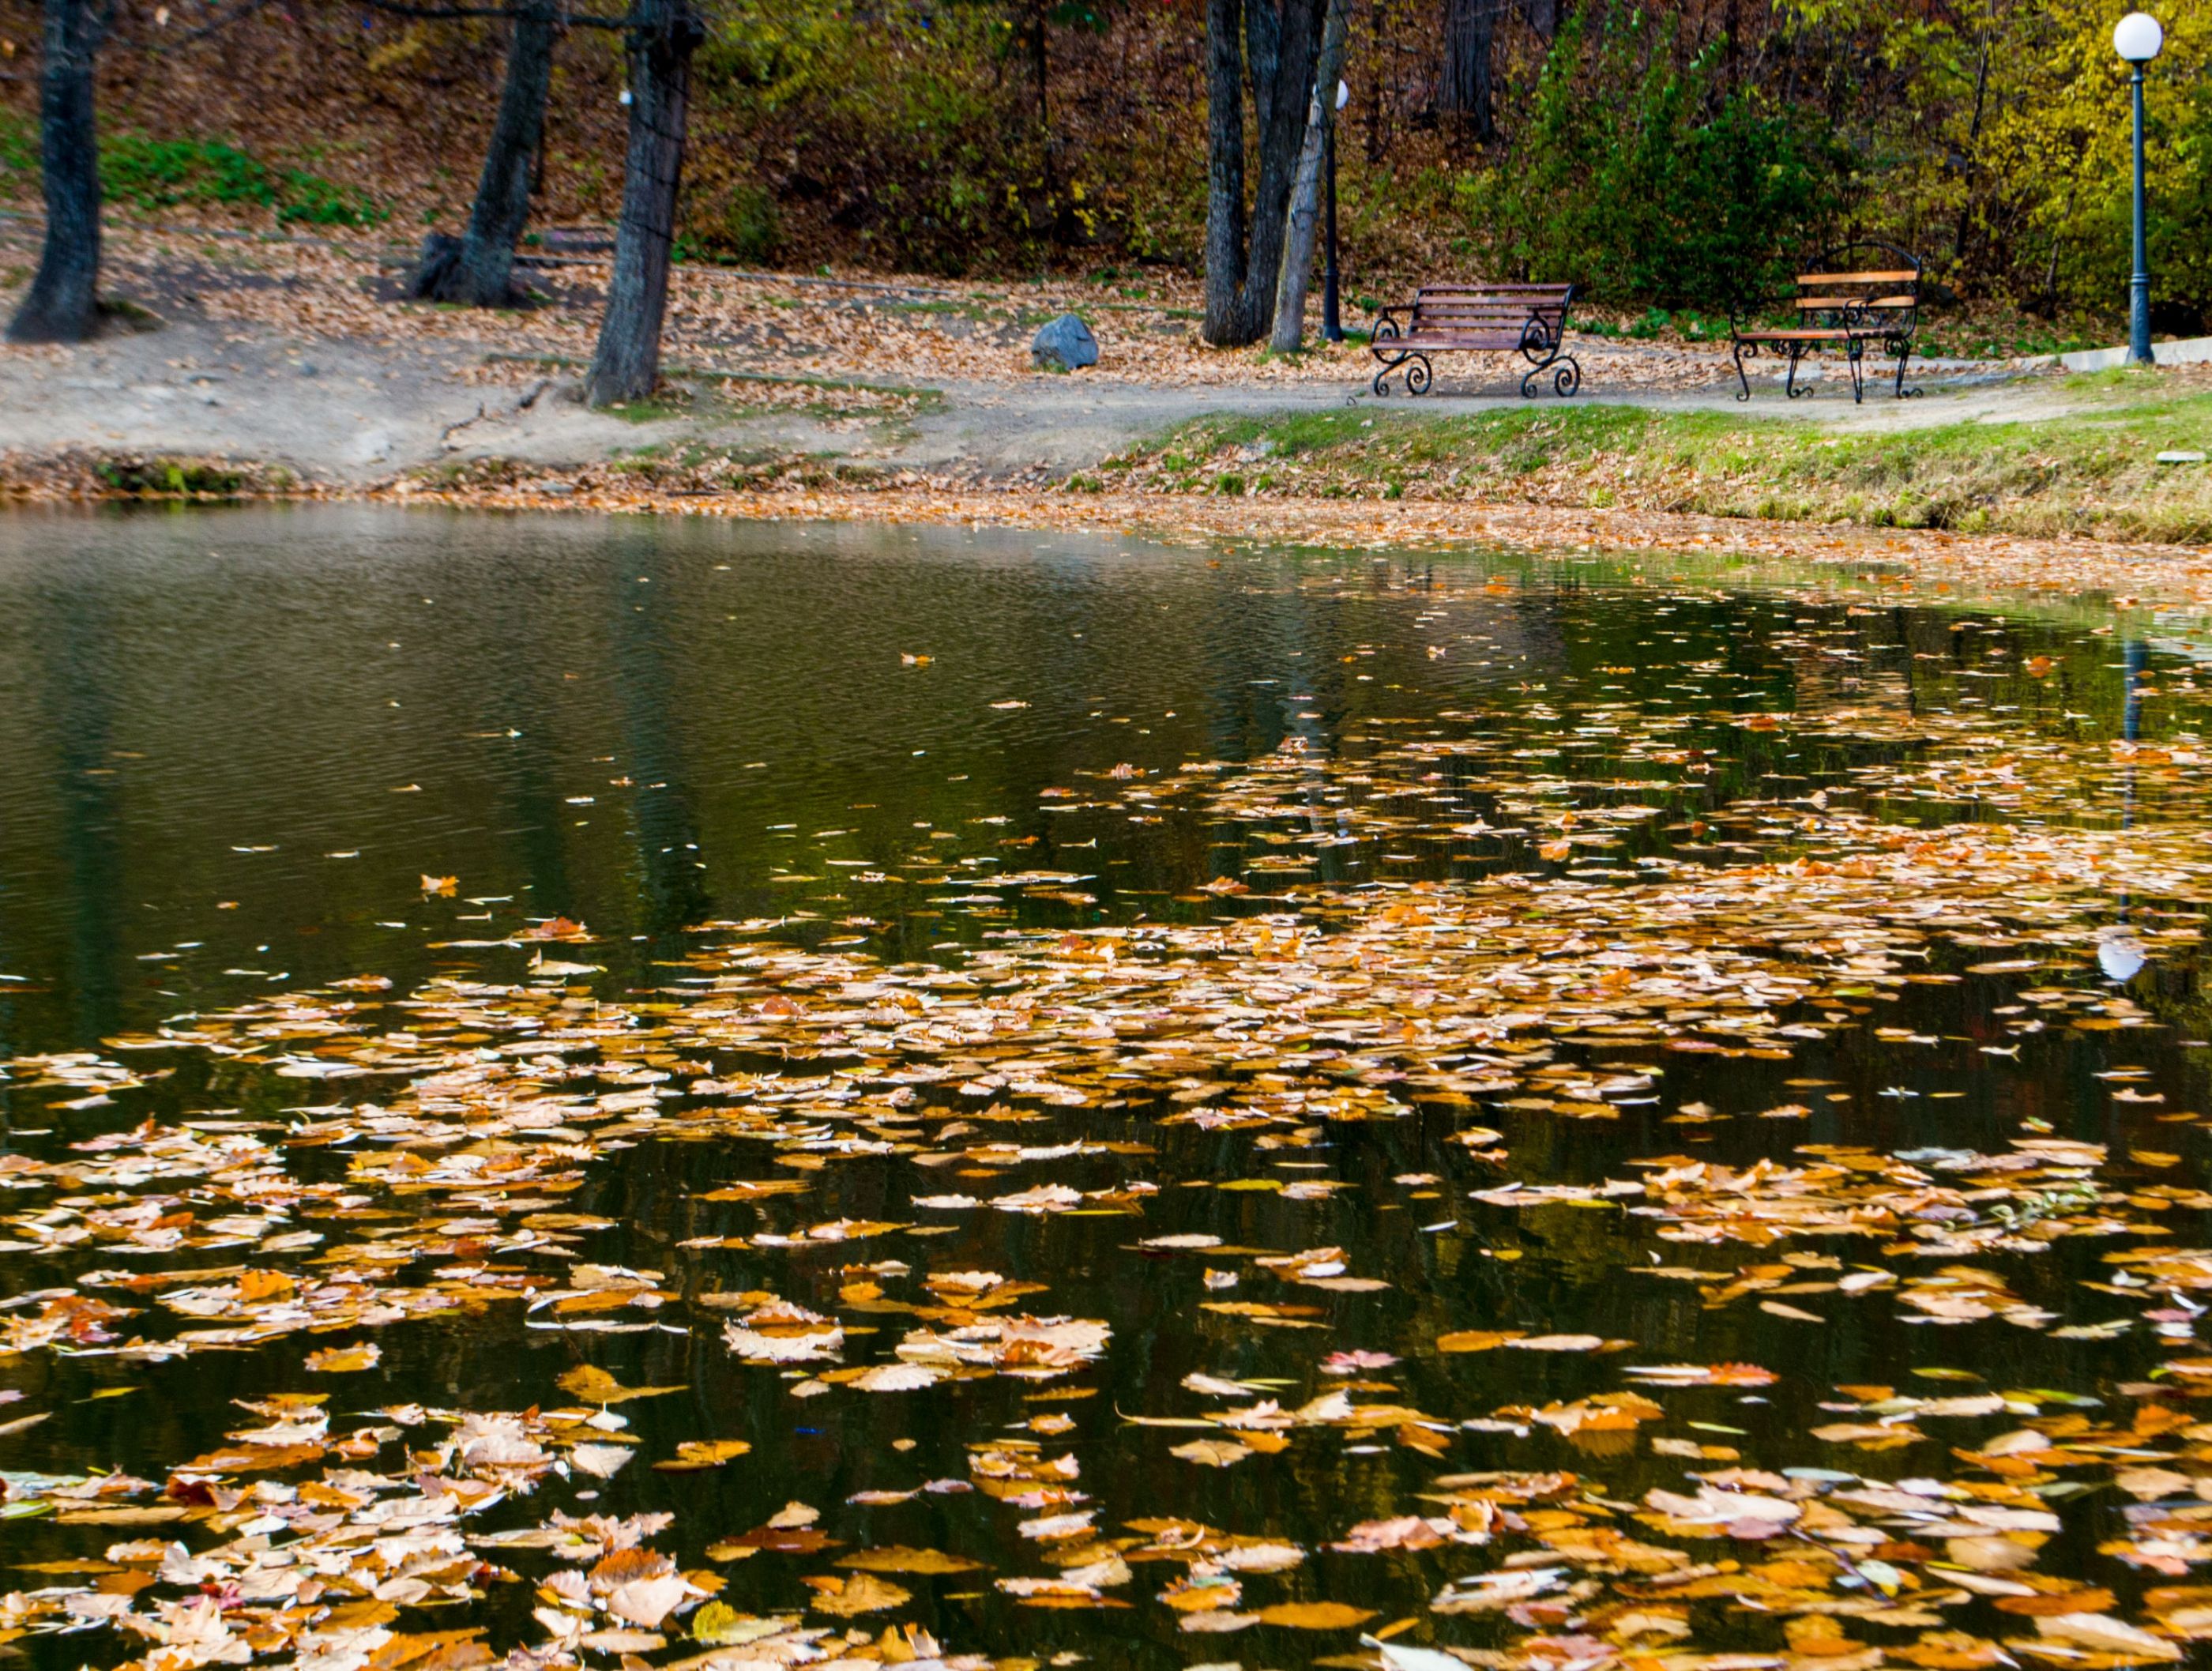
1305 191
626 365
1224 169
1463 92
1280 39
1543 16
63 304
478 272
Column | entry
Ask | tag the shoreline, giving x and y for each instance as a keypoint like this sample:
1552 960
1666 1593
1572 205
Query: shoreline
2125 578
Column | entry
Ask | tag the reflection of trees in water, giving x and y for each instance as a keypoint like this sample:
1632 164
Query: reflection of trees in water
75 649
663 824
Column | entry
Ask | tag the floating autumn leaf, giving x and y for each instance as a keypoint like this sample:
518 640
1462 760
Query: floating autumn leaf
717 1624
555 928
862 1592
595 1386
1211 1453
441 885
1478 1339
781 1333
645 1601
694 1455
897 1557
1315 1615
1556 1343
1354 1363
344 1360
604 1460
1702 1375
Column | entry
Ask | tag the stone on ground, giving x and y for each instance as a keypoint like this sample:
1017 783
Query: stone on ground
1063 344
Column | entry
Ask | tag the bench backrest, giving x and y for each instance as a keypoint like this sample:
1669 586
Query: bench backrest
1489 310
1882 296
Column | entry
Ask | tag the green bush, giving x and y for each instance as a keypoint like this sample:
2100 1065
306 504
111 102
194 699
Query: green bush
747 228
1684 193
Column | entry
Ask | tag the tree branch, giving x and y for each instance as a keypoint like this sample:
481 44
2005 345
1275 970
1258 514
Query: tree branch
446 13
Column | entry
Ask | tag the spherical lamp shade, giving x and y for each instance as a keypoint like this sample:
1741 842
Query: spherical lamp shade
2137 38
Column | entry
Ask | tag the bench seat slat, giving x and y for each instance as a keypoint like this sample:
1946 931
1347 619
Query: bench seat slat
1905 277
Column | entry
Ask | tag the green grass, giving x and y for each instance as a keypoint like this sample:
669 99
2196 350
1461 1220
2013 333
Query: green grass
151 174
2093 472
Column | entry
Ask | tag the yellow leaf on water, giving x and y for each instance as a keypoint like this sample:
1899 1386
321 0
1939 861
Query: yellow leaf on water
1476 1340
897 1557
1211 1453
1315 1615
861 1593
343 1360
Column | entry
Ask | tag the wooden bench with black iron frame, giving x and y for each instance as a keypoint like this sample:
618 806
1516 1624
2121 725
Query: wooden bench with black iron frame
1841 308
1528 319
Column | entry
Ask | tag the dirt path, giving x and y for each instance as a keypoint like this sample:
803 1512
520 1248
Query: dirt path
351 411
295 353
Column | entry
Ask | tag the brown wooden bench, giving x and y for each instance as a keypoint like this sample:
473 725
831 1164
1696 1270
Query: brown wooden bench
1528 319
1845 308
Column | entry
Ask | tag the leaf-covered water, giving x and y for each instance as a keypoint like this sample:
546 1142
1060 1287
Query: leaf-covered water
621 1093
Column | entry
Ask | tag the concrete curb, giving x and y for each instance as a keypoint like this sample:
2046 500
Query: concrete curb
2189 351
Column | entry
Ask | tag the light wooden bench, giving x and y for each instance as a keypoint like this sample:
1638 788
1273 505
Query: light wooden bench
1850 310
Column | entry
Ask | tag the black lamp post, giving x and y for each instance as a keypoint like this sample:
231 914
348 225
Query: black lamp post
1332 325
2137 38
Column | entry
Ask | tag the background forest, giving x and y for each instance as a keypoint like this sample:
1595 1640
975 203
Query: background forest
1661 155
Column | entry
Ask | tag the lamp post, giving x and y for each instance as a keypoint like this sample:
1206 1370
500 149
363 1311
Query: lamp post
2137 38
1332 326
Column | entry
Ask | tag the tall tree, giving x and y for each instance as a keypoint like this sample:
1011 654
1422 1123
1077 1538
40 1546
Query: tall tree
478 269
627 365
1463 89
1270 46
62 305
1305 188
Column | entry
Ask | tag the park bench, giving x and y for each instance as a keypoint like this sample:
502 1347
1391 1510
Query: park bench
1528 319
1844 308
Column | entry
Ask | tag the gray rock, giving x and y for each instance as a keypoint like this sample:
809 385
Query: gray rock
1063 344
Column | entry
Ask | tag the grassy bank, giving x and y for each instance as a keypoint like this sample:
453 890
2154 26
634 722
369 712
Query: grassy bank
2091 471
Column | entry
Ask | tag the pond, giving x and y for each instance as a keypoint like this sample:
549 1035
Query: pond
656 1092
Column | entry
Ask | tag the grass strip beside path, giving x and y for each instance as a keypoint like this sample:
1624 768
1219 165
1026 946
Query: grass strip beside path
2093 471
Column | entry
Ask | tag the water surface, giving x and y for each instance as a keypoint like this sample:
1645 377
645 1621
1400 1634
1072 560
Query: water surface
1291 959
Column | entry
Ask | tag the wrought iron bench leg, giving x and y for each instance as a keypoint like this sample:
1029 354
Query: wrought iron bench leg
1904 353
1855 351
1740 352
1564 381
1790 384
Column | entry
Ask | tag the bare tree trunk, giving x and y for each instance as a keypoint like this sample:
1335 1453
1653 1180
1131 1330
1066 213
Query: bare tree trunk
1463 91
1224 169
1305 191
1280 39
63 304
1973 149
1543 16
626 365
478 270
1282 110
